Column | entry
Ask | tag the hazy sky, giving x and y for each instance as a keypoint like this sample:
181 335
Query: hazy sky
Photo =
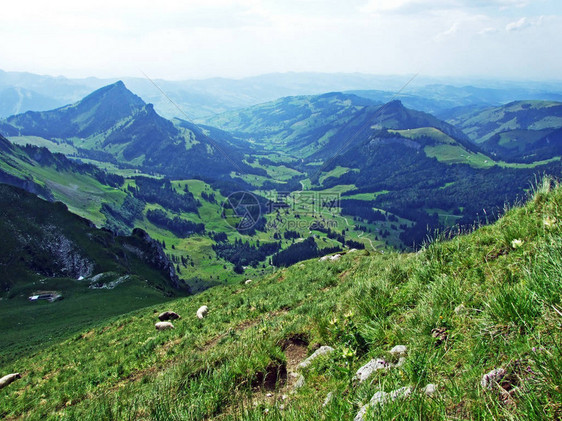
516 39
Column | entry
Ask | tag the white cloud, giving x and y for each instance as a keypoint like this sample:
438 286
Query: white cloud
449 32
524 23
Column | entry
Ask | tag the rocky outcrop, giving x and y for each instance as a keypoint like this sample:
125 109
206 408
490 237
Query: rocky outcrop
152 252
323 350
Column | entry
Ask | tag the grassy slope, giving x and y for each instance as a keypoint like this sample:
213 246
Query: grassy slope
360 305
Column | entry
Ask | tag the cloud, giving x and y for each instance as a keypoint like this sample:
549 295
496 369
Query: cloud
449 32
487 31
523 23
416 6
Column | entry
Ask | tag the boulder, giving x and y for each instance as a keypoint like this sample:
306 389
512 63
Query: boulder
380 398
399 350
335 257
168 315
323 350
10 378
248 281
368 369
430 389
164 326
202 312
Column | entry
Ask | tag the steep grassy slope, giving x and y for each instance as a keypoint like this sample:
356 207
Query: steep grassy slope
463 307
47 248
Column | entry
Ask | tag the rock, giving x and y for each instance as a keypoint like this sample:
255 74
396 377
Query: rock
202 312
323 350
383 397
164 326
168 315
323 258
328 399
430 389
400 362
399 350
269 395
368 369
248 281
489 380
380 398
151 251
352 251
361 413
10 378
300 382
335 257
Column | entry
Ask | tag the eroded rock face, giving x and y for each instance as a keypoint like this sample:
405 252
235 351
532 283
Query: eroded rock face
152 252
66 260
323 350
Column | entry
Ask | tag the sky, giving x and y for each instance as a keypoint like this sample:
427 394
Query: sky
196 39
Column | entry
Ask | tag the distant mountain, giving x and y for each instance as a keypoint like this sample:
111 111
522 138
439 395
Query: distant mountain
205 97
521 131
15 100
113 124
300 124
318 126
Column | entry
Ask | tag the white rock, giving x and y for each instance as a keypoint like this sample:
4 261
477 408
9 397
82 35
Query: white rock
202 312
300 382
399 350
335 257
269 395
323 350
490 379
248 281
361 413
323 258
400 362
368 369
430 389
164 326
328 399
383 397
380 398
352 251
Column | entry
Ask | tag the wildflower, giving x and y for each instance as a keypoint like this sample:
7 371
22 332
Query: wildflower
334 321
348 315
549 221
348 352
516 243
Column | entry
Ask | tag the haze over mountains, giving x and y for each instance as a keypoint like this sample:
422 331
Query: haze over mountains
201 98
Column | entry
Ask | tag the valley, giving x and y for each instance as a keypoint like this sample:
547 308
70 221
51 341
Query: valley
266 212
